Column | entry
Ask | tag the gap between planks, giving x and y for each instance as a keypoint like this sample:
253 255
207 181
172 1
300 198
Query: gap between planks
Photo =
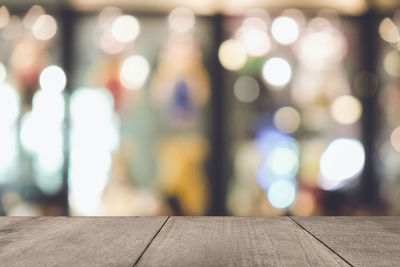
302 227
151 241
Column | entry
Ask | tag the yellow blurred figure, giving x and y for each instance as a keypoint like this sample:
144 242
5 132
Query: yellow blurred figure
180 174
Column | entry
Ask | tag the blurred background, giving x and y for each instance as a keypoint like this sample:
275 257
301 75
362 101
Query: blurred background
179 107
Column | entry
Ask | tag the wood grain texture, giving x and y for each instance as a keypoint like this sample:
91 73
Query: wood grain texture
236 241
362 241
75 241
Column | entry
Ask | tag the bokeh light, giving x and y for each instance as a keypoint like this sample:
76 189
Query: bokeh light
287 119
13 28
389 31
346 109
232 55
9 105
108 15
181 19
53 78
44 28
255 41
4 16
109 44
342 160
32 15
285 30
391 63
277 72
246 89
91 106
3 73
395 139
281 193
49 106
8 151
322 46
134 72
283 161
125 28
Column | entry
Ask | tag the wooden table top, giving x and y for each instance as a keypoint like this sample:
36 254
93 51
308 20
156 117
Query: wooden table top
200 241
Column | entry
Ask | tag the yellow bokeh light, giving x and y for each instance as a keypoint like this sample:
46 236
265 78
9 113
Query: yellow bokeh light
346 109
391 63
287 119
232 55
389 31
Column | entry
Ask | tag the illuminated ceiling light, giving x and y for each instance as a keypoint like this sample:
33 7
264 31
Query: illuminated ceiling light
53 78
9 105
246 89
346 109
391 63
3 73
4 16
134 72
181 19
33 14
395 139
277 72
285 30
287 119
232 55
281 193
44 28
342 160
255 41
388 31
125 28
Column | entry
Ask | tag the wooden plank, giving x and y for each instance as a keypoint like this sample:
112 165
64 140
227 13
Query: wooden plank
362 241
236 241
76 241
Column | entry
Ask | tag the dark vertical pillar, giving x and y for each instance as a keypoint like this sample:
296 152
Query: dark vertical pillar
369 186
218 179
67 41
